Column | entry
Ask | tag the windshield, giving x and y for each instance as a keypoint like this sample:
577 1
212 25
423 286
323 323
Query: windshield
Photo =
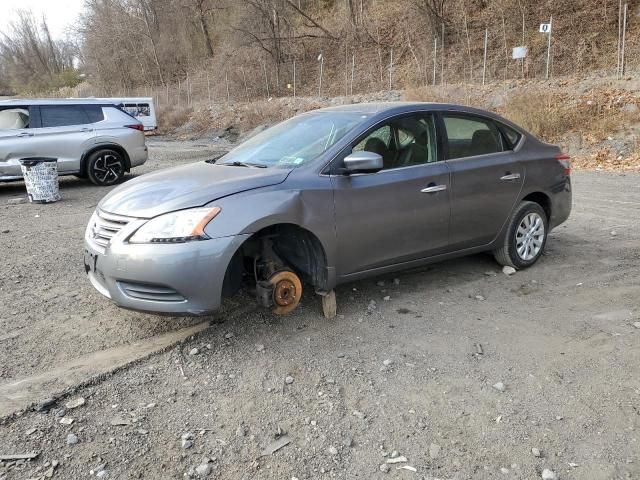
294 142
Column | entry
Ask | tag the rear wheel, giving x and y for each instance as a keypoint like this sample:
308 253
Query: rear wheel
526 237
105 167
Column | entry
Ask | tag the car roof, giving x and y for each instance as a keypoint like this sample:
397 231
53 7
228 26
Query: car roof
53 101
383 109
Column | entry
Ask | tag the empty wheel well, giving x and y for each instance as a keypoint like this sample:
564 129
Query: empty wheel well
285 245
107 146
542 200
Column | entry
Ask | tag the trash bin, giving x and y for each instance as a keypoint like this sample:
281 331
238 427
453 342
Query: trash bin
41 178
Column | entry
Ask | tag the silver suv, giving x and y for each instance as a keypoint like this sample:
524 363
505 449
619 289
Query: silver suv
90 138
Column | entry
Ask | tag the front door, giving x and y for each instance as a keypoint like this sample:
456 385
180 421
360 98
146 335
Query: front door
486 180
400 213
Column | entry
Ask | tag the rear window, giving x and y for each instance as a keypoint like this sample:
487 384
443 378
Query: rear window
63 115
94 113
468 136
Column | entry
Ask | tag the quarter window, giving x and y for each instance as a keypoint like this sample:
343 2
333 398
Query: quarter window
470 136
62 115
403 142
512 135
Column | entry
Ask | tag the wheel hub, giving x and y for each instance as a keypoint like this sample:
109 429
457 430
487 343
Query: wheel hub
530 236
287 291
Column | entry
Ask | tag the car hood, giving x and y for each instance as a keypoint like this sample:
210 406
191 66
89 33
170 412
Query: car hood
187 186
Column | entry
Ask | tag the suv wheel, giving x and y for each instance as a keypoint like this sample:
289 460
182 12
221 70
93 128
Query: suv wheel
526 237
105 167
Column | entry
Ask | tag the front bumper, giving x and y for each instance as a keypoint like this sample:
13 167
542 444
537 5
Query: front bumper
184 278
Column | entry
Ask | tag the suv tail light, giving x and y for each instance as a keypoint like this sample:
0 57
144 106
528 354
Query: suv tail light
136 126
565 161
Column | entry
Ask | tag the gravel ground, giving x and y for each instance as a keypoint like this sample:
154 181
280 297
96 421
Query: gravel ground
461 387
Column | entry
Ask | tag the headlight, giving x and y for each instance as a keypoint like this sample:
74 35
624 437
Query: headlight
176 227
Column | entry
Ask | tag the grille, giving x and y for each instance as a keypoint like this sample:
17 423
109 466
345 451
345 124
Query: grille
150 292
105 226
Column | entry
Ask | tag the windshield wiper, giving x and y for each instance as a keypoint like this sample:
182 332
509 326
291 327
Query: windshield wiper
245 164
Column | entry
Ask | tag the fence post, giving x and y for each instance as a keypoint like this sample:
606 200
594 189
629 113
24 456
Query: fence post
549 46
391 70
353 66
624 32
442 57
266 82
321 58
294 78
484 60
435 58
244 80
619 38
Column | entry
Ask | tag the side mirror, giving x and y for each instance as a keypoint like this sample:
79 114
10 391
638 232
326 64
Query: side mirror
363 161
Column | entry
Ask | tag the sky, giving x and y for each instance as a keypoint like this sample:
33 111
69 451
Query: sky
60 13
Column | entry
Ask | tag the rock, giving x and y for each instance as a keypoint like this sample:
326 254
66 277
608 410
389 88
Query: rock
203 470
332 450
380 283
384 468
394 454
72 439
194 351
66 420
119 421
630 108
185 440
228 335
259 347
16 201
102 473
387 298
396 281
31 431
549 474
507 270
288 380
6 231
371 307
499 386
536 452
348 442
480 298
401 459
614 233
434 450
241 431
504 470
387 362
636 324
75 403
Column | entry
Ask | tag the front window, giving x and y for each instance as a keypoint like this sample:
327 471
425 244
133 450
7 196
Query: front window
295 142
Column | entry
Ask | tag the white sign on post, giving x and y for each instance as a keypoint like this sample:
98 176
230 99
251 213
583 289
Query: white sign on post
519 52
545 28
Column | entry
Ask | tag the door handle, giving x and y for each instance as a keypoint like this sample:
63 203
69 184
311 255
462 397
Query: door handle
434 188
510 176
25 134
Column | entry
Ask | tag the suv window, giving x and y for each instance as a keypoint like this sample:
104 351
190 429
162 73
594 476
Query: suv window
403 142
94 112
468 136
14 118
63 115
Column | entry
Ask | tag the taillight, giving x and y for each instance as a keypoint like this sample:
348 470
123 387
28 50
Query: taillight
565 161
136 126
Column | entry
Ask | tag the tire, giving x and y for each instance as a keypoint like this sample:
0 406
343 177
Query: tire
105 167
526 237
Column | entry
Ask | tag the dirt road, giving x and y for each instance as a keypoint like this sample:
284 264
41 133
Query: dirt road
416 375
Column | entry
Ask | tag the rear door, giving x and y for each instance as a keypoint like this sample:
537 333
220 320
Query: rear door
400 213
486 179
16 138
65 132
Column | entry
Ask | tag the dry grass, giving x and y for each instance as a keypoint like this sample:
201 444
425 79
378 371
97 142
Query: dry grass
172 118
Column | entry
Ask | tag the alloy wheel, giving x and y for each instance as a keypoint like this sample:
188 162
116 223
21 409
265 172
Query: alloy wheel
530 236
108 168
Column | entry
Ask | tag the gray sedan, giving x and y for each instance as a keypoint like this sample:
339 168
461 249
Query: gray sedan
328 197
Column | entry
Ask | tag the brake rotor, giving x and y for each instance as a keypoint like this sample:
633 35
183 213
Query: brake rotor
287 291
